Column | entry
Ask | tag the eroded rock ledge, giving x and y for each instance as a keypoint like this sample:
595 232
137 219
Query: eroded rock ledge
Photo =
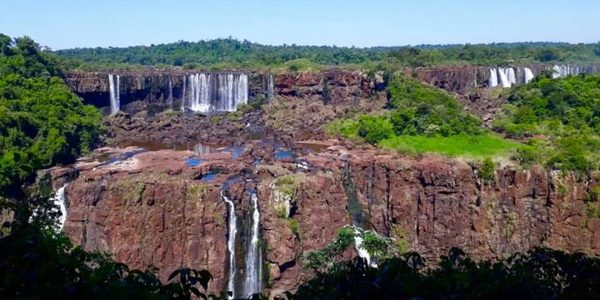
153 208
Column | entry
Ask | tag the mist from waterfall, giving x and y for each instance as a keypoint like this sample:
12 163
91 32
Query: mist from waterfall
60 200
215 92
231 233
252 283
115 94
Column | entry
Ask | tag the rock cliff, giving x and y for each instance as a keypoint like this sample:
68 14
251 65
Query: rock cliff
155 208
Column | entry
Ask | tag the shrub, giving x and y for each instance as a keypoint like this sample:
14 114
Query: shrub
374 129
424 110
487 170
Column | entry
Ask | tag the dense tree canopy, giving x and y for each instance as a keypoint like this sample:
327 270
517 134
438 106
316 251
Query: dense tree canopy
41 121
415 109
231 53
562 118
422 109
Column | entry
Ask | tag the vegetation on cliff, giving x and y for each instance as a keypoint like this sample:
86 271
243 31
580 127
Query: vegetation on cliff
423 119
560 118
41 121
553 122
230 53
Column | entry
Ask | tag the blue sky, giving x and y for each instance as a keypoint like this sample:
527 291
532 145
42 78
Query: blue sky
77 23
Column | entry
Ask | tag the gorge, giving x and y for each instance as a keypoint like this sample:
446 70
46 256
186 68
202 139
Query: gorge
248 207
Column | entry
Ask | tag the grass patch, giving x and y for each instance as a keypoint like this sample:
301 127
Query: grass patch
478 146
287 184
347 128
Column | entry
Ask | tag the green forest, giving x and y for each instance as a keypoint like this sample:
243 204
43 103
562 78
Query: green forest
42 122
231 53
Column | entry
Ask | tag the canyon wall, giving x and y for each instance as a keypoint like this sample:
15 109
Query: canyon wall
156 209
462 79
157 90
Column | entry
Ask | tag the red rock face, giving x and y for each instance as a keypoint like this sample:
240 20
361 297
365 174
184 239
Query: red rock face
154 210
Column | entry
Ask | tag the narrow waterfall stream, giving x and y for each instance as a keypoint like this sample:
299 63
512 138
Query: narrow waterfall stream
115 93
270 88
362 253
170 97
184 80
252 283
231 230
356 213
493 78
60 199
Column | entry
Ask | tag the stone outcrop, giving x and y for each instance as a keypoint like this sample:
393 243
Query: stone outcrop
153 208
330 86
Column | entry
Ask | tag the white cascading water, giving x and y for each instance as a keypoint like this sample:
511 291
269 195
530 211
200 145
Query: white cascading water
493 82
362 253
170 97
557 71
216 92
564 71
528 75
231 230
504 82
512 77
271 88
253 281
183 93
115 94
60 200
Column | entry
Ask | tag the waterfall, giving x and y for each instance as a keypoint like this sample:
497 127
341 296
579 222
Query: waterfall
493 82
183 93
231 230
362 253
170 98
60 200
528 75
253 275
504 81
115 95
216 92
510 74
564 71
270 88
